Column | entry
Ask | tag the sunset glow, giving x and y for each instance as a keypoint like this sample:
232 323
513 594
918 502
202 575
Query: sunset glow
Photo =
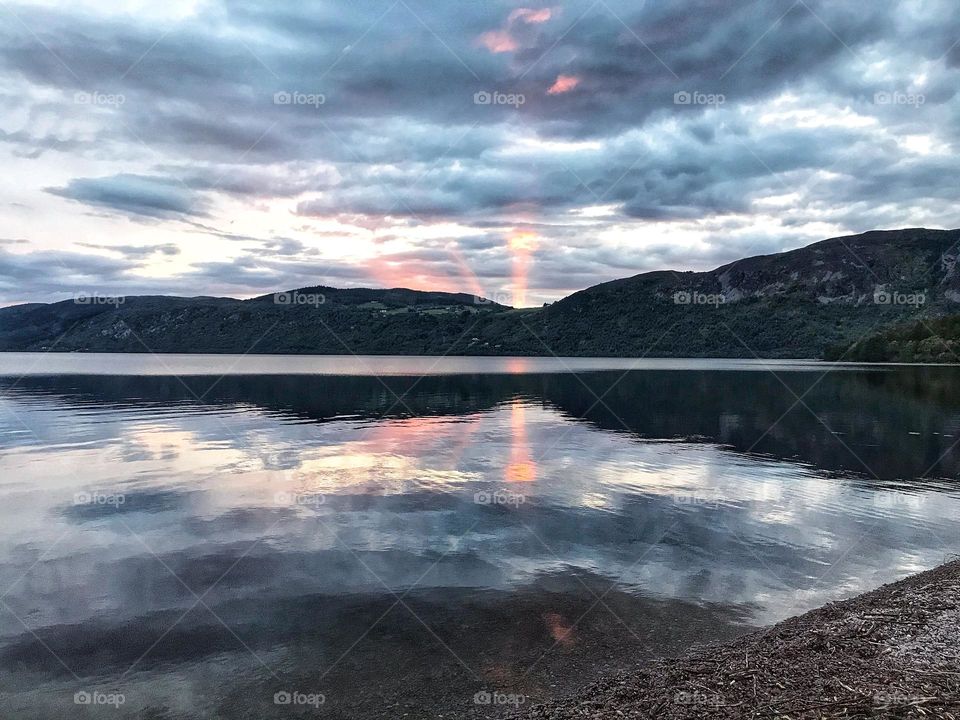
531 16
504 40
391 360
261 148
521 468
498 41
522 244
563 84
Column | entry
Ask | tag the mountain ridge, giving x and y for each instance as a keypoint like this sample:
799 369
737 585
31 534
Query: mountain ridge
796 303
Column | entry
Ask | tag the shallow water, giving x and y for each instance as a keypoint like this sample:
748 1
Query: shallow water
195 534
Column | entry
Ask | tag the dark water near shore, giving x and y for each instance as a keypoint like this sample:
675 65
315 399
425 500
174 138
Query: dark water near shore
194 543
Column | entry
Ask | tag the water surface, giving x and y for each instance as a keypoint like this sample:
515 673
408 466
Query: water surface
199 533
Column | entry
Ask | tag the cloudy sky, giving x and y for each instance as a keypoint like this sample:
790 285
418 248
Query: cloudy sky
520 150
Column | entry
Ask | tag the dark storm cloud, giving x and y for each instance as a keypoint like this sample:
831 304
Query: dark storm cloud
154 197
422 61
285 246
31 146
682 176
252 181
56 275
479 243
266 275
366 110
53 275
136 252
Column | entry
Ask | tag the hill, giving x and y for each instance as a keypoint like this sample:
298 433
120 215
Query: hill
793 304
308 320
935 340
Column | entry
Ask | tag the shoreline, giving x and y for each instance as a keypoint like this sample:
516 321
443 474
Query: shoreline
234 353
890 652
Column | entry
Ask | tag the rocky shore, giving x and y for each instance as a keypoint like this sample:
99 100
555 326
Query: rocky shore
893 652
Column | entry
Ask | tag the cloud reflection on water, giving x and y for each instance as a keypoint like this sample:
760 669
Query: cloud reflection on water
300 504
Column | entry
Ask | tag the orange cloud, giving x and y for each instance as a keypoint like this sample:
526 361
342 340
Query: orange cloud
498 41
563 83
529 16
501 41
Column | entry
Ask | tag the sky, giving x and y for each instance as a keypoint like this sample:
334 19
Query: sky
515 150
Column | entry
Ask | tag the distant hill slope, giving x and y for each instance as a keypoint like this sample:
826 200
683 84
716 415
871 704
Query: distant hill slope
792 304
309 320
933 340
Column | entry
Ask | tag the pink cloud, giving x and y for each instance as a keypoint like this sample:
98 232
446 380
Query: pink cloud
564 83
498 41
501 41
530 16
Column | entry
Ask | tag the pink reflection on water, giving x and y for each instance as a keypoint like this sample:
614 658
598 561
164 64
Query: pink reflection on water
522 468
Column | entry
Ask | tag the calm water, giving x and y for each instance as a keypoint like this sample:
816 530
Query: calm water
192 535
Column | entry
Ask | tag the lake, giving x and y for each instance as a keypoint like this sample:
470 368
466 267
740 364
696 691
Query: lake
194 536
